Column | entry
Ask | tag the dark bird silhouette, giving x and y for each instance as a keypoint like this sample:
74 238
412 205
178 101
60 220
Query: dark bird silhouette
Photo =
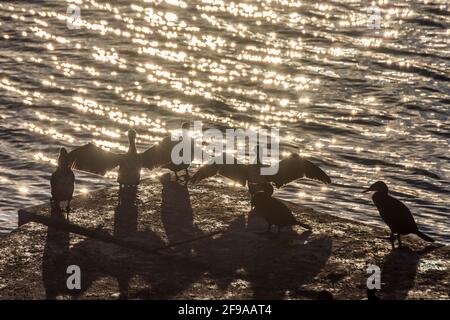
93 159
96 160
62 181
163 153
394 213
290 169
273 210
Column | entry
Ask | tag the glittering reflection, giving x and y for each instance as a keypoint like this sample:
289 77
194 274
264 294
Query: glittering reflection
363 104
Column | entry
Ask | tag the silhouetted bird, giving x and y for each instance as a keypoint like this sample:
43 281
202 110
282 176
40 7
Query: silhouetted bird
93 159
372 294
273 210
290 169
62 181
165 147
396 215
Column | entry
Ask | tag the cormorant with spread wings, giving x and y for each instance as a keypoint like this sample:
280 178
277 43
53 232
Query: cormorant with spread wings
290 169
93 159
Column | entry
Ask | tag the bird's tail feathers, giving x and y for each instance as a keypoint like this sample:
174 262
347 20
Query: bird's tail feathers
424 236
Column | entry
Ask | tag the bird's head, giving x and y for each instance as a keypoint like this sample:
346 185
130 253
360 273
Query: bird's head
186 126
378 186
131 134
63 159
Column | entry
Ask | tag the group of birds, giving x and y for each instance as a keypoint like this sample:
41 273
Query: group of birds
93 159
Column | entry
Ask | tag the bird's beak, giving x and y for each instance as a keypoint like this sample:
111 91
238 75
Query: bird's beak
367 190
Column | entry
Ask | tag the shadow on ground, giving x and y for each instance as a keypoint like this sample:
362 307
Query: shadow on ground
236 260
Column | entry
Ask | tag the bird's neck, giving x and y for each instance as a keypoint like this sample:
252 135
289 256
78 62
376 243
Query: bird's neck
132 147
63 168
380 194
258 155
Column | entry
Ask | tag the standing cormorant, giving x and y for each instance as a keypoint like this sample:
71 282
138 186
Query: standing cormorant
93 159
129 167
394 213
62 181
273 210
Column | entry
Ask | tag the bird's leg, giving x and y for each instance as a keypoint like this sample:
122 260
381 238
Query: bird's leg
186 177
68 210
399 240
392 239
120 194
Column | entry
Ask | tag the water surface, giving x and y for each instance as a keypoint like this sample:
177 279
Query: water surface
364 104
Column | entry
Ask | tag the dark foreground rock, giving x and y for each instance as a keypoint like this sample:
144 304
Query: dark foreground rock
200 243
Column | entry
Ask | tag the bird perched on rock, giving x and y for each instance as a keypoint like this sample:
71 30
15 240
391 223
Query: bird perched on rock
93 159
273 210
62 181
289 169
394 213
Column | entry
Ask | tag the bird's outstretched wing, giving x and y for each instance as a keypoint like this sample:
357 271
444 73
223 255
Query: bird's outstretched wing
150 158
93 159
158 154
234 171
206 171
295 167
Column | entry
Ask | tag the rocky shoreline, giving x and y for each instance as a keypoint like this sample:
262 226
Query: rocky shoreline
200 243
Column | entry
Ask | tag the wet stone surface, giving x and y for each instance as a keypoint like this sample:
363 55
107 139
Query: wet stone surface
236 263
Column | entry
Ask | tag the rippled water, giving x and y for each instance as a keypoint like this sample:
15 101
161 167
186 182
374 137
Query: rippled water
365 104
